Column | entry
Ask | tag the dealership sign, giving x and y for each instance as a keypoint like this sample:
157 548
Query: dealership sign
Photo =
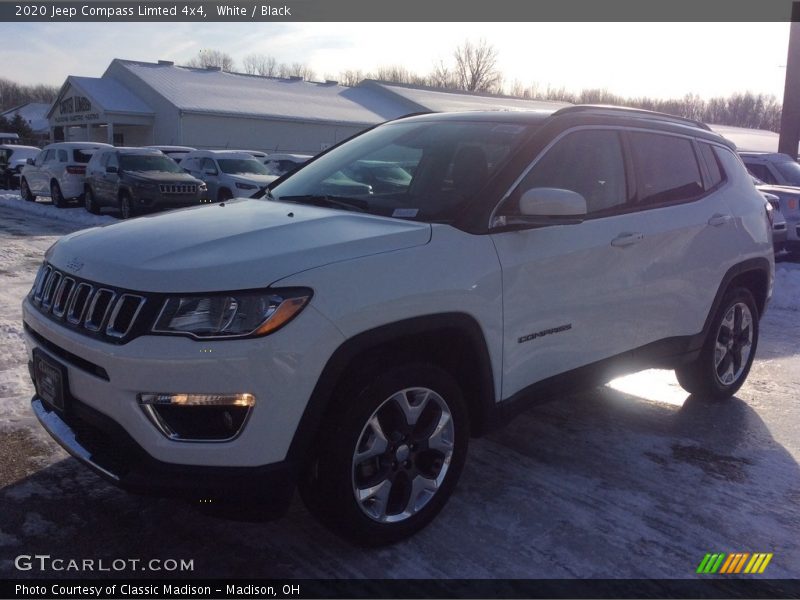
75 109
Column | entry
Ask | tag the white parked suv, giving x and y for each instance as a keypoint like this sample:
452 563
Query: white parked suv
227 173
58 171
351 345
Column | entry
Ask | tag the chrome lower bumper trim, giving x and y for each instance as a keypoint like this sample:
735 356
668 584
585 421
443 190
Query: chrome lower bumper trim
65 436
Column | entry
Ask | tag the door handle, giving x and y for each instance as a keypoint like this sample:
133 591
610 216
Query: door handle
627 239
719 219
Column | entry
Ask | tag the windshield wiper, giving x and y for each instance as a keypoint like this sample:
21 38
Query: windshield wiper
328 201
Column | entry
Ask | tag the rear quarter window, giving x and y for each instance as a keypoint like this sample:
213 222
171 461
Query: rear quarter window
667 168
729 161
715 173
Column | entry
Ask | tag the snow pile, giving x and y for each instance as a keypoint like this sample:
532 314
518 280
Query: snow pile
786 290
74 214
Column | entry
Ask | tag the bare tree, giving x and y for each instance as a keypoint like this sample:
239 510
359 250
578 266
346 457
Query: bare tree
13 94
351 78
442 76
476 67
296 69
209 57
260 64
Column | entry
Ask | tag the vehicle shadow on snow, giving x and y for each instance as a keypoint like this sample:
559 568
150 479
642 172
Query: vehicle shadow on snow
565 490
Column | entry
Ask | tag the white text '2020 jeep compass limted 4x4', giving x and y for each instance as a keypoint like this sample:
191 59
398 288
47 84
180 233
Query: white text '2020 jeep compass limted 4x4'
348 338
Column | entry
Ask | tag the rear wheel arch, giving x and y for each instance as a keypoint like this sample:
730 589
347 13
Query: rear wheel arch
752 274
452 341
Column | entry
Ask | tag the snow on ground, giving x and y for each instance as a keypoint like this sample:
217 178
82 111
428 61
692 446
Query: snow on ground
786 289
75 213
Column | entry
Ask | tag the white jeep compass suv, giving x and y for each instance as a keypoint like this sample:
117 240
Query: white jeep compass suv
350 345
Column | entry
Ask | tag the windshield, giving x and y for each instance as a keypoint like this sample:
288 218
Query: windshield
790 170
415 170
242 166
148 162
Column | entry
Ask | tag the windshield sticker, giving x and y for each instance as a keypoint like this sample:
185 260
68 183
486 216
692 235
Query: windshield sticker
406 213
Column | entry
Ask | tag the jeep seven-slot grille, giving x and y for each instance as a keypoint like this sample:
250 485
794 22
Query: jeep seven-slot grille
93 309
178 188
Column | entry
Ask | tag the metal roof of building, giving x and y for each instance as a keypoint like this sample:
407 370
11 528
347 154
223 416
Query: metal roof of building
218 92
34 113
109 94
446 100
754 140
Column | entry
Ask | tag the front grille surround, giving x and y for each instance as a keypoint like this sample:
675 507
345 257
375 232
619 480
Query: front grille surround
111 314
178 188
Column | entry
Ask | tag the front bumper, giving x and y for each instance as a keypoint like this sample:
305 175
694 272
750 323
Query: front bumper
105 447
280 370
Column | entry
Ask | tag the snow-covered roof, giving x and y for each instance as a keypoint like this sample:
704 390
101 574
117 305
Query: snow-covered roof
34 113
111 95
108 94
219 92
749 140
442 100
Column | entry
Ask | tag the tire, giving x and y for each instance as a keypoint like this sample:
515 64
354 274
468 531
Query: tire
402 433
56 196
126 207
728 352
89 202
224 195
25 191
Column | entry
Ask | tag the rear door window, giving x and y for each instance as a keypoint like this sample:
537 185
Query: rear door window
667 168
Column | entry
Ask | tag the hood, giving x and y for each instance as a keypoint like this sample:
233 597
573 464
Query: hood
237 245
160 177
259 180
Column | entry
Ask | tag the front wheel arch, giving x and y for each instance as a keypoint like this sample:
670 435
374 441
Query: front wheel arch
453 341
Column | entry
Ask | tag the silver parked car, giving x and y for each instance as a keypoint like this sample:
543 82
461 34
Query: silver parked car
228 174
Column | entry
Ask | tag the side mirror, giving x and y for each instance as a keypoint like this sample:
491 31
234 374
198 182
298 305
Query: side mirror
210 172
552 203
112 170
29 161
544 206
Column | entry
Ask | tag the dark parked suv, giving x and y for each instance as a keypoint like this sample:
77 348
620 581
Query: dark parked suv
137 179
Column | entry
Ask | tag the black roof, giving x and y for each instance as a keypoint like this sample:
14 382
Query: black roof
584 113
499 116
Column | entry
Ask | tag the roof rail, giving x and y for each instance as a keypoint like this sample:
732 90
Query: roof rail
607 109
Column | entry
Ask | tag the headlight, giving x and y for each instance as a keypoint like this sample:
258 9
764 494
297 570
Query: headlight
238 314
245 186
202 187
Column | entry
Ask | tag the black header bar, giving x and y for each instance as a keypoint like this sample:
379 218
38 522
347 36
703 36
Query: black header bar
405 11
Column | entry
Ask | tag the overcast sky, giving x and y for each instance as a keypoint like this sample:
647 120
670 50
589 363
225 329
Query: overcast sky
631 59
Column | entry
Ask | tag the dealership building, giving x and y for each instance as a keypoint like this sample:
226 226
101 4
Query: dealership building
139 103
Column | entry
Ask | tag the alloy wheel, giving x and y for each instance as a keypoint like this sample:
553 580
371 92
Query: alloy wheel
734 344
402 455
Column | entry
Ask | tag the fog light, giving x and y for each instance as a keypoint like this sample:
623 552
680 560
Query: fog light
198 417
